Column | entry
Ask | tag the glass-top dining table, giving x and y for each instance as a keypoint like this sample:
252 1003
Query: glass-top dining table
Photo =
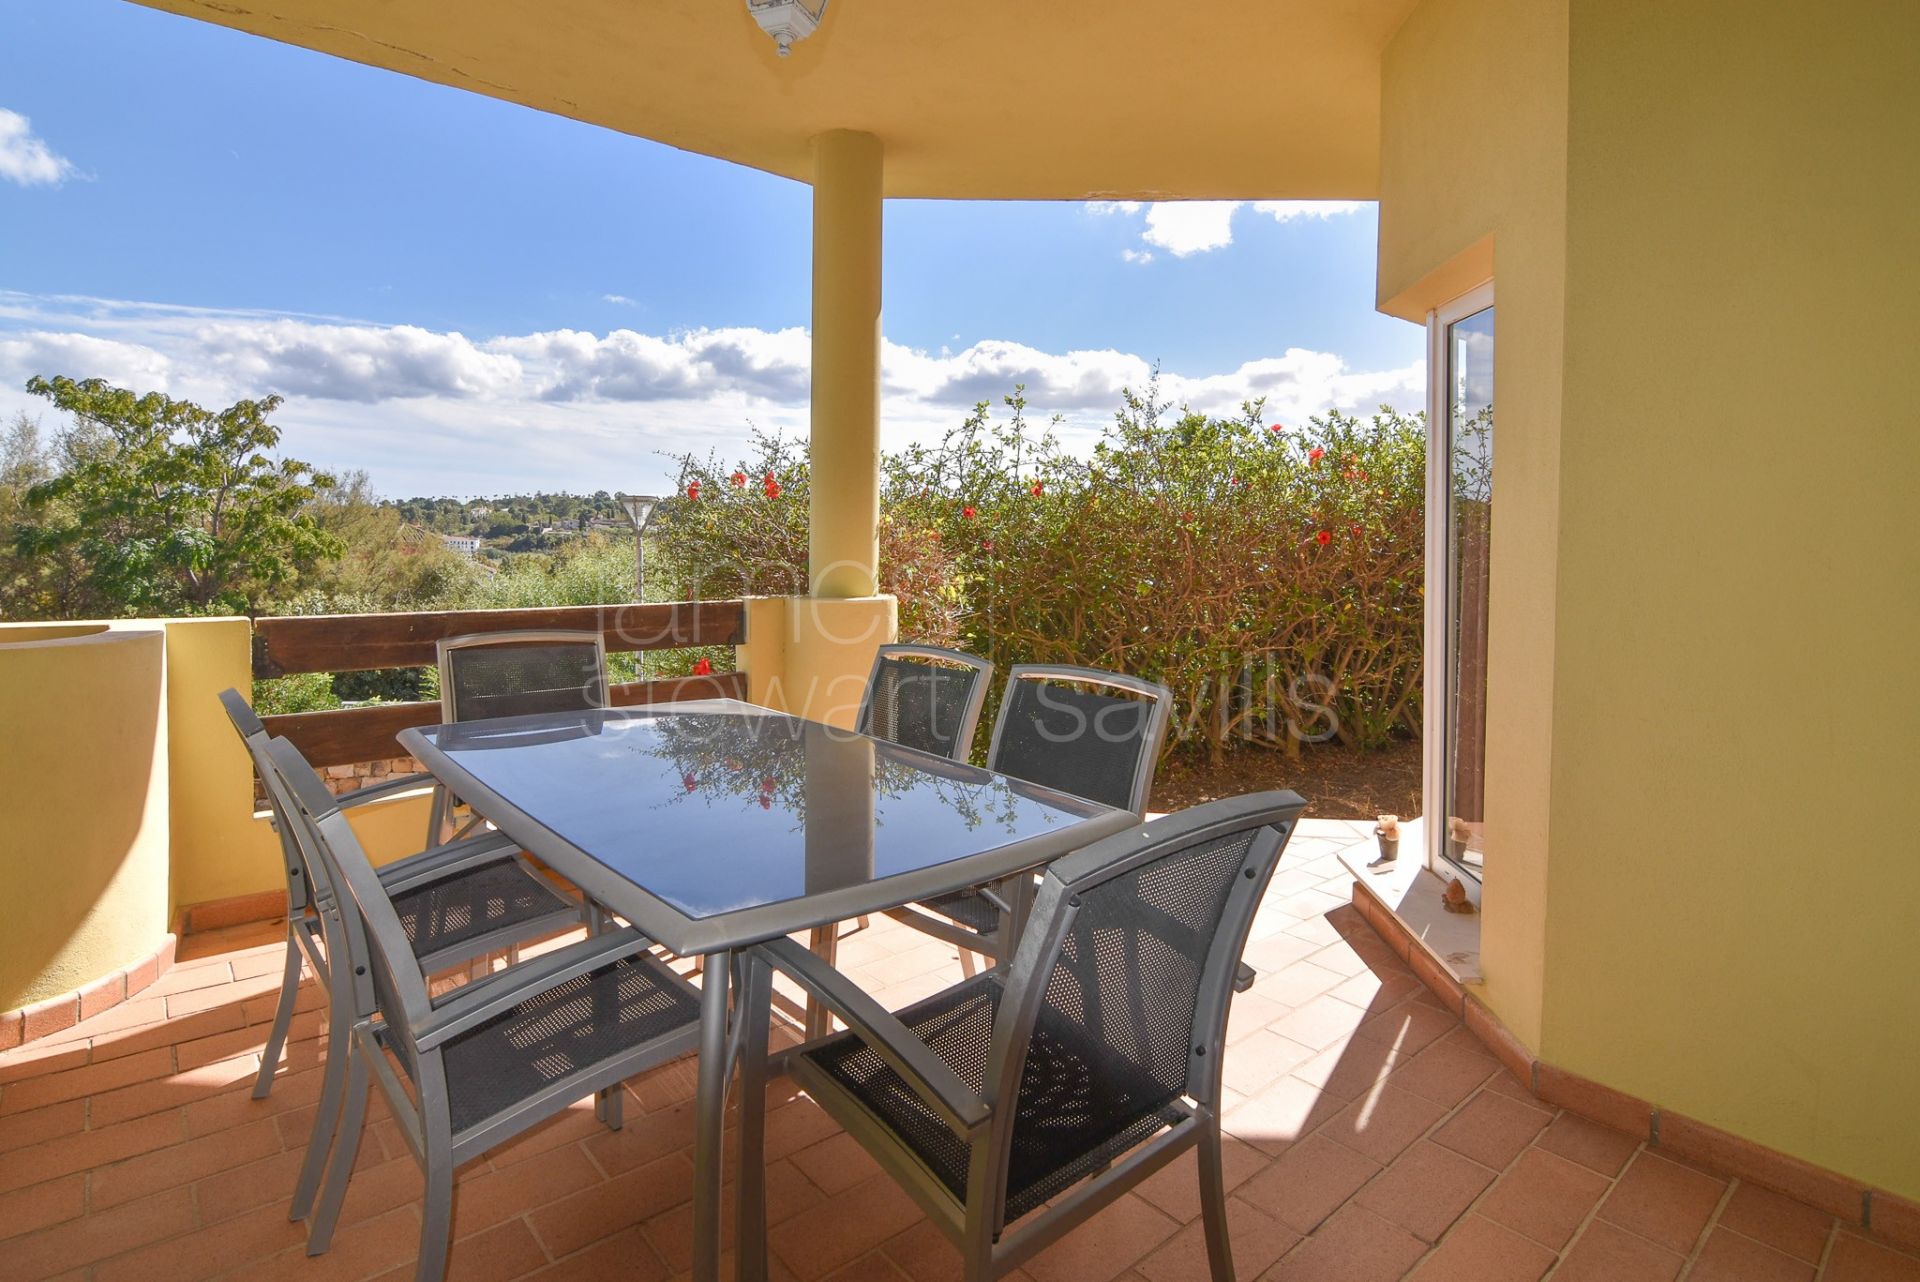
716 824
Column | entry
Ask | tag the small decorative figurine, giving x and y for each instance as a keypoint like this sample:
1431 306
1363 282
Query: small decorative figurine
1454 898
1387 833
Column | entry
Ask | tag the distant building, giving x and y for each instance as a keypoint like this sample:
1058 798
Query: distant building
464 544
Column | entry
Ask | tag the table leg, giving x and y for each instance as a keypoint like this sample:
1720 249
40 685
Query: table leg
825 944
750 1215
710 1116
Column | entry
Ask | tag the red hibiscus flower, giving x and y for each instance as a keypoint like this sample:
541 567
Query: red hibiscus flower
1323 538
986 545
693 491
1039 487
1356 531
690 782
1315 454
771 486
767 784
739 480
766 802
704 668
1187 517
1276 427
969 512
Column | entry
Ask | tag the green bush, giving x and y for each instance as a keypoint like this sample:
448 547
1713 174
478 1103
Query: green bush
1270 575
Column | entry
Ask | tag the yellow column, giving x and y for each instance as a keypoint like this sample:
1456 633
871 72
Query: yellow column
845 550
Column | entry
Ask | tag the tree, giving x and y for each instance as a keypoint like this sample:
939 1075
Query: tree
169 507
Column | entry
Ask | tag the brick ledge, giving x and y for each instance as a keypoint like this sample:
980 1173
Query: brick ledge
57 1014
1894 1218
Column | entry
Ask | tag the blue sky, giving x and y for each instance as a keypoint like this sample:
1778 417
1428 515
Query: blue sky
460 295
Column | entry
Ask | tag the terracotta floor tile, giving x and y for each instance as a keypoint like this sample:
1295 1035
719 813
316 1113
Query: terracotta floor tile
1478 1250
871 1267
1544 1197
1731 1257
358 1251
1855 1259
1444 1073
488 1196
1598 1148
632 1197
845 1227
86 1079
499 1254
180 1164
1258 1240
206 1252
42 1124
1250 1013
1425 1190
269 1180
1320 1022
1175 1187
1778 1221
1383 1122
1347 1070
1663 1201
1492 1129
1120 1235
38 1059
1354 1246
1410 1027
82 1241
85 1149
624 1257
1309 1182
1376 992
836 1163
1281 1114
1603 1253
38 1205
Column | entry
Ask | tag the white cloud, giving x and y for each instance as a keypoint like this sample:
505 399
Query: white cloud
1190 226
26 159
1286 211
618 300
432 412
1187 227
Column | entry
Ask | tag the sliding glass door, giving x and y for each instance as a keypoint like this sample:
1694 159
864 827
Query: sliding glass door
1459 546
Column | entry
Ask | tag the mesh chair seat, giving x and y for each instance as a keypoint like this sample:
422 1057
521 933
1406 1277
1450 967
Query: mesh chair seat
1081 1104
467 905
970 908
561 1031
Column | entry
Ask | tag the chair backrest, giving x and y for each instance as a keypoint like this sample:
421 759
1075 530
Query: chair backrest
1090 733
301 887
371 944
925 697
511 674
1116 1004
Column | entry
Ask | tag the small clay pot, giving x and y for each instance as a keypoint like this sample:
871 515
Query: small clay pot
1389 847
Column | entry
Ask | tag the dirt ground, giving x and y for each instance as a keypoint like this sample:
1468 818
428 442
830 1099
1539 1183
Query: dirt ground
1337 782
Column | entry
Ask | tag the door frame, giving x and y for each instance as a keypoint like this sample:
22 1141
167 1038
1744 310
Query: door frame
1437 722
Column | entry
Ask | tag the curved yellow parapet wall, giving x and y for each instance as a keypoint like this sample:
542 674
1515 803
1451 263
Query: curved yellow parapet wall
83 805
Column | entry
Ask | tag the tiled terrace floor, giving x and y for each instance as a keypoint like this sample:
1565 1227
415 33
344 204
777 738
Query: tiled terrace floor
1372 1140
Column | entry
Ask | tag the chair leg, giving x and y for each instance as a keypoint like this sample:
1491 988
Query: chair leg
1213 1204
333 1086
609 1107
967 963
282 1017
436 1215
346 1150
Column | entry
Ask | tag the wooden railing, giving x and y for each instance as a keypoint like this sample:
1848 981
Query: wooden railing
358 642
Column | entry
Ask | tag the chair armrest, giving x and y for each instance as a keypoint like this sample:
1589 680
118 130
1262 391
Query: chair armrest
929 1076
474 1004
439 861
374 792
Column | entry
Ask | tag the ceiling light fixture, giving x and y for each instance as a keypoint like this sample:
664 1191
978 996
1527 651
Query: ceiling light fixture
787 20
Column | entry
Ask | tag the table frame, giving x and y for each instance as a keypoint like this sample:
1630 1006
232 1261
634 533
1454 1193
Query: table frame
718 939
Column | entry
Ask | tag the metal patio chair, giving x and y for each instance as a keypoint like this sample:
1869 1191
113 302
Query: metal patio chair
456 903
925 697
465 1072
1016 1104
511 674
1079 730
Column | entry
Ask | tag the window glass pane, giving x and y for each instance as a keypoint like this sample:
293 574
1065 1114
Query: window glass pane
1469 526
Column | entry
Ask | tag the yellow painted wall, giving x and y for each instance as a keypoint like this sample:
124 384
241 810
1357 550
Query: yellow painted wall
811 656
1734 924
83 805
1472 171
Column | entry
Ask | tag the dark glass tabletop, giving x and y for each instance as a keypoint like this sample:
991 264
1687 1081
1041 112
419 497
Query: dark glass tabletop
742 823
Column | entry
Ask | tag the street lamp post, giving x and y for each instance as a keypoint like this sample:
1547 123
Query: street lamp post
639 510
